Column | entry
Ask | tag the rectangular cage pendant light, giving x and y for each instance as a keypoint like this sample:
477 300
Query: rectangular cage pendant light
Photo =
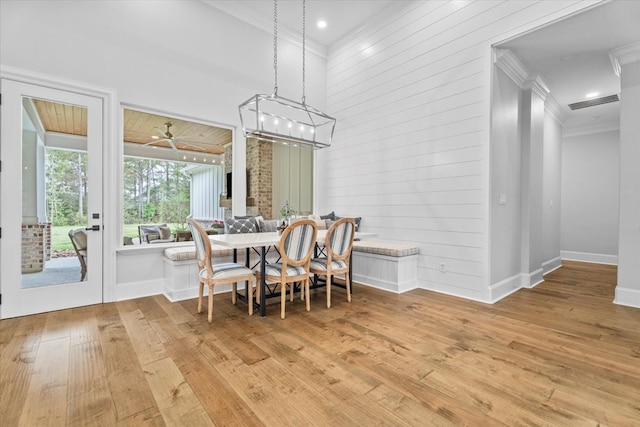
273 118
276 119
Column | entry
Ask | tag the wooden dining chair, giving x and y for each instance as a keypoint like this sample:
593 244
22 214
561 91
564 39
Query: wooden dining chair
296 249
218 274
338 244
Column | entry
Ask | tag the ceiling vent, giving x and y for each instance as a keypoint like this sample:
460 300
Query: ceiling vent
595 101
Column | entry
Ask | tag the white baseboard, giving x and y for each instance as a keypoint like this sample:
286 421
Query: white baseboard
589 257
551 265
533 279
627 296
139 289
191 293
506 287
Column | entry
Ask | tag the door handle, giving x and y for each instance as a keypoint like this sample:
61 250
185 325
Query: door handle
93 228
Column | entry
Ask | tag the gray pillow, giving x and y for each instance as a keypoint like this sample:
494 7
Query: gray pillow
259 221
165 232
331 215
238 226
269 226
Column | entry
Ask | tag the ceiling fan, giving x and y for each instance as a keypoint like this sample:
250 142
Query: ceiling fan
167 136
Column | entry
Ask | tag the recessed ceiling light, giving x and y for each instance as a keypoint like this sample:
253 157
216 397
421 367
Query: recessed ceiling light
592 94
322 24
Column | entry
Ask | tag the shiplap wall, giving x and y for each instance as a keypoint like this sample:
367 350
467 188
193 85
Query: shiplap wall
207 183
410 154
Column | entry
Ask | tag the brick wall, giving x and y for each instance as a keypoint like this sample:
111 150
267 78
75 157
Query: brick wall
34 237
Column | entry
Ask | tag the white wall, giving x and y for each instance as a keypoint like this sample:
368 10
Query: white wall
590 196
207 183
411 152
180 57
551 189
411 92
505 179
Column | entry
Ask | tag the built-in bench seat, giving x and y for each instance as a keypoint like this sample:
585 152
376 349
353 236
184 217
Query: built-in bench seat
385 247
189 252
385 264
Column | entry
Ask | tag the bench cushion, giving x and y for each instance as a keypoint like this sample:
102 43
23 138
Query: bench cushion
185 253
385 247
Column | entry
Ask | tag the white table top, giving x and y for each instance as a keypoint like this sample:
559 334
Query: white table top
255 240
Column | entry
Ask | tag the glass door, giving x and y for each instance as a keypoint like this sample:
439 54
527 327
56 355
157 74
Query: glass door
51 190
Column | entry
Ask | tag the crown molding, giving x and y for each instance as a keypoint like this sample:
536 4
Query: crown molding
553 107
509 63
536 84
590 129
624 55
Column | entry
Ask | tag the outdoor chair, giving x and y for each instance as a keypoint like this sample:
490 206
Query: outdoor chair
338 244
218 274
155 233
78 238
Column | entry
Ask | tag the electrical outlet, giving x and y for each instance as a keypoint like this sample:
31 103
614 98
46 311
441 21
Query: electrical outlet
442 267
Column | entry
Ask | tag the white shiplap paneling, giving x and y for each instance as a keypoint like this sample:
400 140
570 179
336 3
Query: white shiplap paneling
410 153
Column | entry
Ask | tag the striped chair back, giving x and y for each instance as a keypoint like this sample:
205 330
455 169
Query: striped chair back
201 248
341 237
299 241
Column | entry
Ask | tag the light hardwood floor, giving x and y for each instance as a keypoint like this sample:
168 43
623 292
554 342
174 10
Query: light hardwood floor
559 354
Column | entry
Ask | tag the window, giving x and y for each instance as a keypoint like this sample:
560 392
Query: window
172 168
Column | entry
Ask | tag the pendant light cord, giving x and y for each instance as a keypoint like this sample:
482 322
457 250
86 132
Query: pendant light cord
303 50
275 46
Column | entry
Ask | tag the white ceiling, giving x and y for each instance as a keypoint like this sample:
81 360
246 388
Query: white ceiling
342 16
572 55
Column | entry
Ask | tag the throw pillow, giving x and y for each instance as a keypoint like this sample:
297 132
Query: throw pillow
165 232
269 226
331 215
237 226
259 221
355 219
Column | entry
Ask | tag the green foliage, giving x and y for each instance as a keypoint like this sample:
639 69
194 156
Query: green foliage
66 183
155 191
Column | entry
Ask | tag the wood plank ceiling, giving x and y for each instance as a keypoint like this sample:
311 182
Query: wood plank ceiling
139 128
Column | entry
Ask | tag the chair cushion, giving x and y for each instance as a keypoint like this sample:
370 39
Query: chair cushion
185 253
321 264
275 269
226 271
383 247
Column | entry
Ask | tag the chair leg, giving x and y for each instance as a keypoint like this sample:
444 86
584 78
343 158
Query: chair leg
306 291
250 295
348 283
292 288
234 289
200 293
210 315
283 298
328 291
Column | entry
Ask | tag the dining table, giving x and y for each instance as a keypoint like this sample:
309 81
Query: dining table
261 242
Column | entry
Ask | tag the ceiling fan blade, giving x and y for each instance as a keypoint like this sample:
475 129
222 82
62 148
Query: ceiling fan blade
197 147
162 132
172 145
157 140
